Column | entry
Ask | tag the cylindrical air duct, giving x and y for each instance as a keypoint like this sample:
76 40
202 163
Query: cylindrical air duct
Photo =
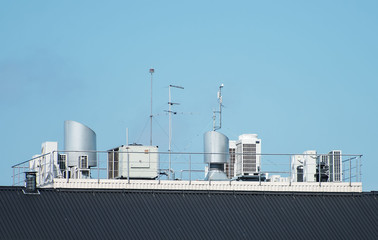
78 139
216 149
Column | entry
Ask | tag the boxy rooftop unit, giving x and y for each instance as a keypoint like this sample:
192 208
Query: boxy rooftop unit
133 161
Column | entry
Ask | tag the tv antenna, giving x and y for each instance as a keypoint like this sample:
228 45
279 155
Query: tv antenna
170 103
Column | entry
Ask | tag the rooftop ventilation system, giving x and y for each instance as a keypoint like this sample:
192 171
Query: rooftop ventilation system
133 161
216 148
79 145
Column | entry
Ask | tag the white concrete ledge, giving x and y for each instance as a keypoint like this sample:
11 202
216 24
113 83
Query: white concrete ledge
205 185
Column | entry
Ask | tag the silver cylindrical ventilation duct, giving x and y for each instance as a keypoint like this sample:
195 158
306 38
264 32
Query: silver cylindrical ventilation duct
216 147
79 145
216 151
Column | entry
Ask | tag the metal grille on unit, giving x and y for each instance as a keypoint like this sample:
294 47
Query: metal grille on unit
249 158
83 162
62 161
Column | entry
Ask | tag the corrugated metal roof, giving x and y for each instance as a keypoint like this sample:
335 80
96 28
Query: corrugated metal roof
146 214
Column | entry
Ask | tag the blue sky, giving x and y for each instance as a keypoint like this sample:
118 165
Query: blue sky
301 74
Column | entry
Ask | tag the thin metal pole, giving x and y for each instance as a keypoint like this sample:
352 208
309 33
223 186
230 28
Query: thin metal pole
127 136
170 131
170 103
151 72
220 106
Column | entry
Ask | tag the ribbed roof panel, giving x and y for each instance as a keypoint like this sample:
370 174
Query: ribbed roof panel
146 214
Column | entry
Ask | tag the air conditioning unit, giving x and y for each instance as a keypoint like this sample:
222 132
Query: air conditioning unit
62 162
135 161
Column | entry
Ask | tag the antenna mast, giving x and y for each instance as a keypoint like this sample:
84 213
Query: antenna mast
220 100
170 103
151 72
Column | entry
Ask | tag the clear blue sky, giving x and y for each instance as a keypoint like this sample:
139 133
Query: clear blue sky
301 74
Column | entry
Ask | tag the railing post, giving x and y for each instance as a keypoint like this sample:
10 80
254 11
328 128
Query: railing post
259 175
98 168
128 165
159 167
113 173
356 169
360 160
190 169
19 181
68 171
350 172
319 174
52 166
290 170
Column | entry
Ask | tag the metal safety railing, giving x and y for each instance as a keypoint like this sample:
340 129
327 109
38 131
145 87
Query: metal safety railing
126 165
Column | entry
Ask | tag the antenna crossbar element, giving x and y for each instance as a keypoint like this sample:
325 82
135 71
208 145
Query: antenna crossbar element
172 103
175 86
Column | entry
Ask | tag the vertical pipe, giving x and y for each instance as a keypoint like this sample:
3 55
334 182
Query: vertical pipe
13 176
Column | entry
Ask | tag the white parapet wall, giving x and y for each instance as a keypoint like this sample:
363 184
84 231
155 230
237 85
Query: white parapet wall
205 185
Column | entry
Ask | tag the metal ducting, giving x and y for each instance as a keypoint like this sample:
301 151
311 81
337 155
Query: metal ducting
216 149
79 145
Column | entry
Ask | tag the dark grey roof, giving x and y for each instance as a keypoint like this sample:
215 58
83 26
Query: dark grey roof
136 214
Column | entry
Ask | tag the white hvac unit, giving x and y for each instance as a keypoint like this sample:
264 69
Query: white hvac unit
229 168
335 166
46 164
297 168
133 161
248 155
309 166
